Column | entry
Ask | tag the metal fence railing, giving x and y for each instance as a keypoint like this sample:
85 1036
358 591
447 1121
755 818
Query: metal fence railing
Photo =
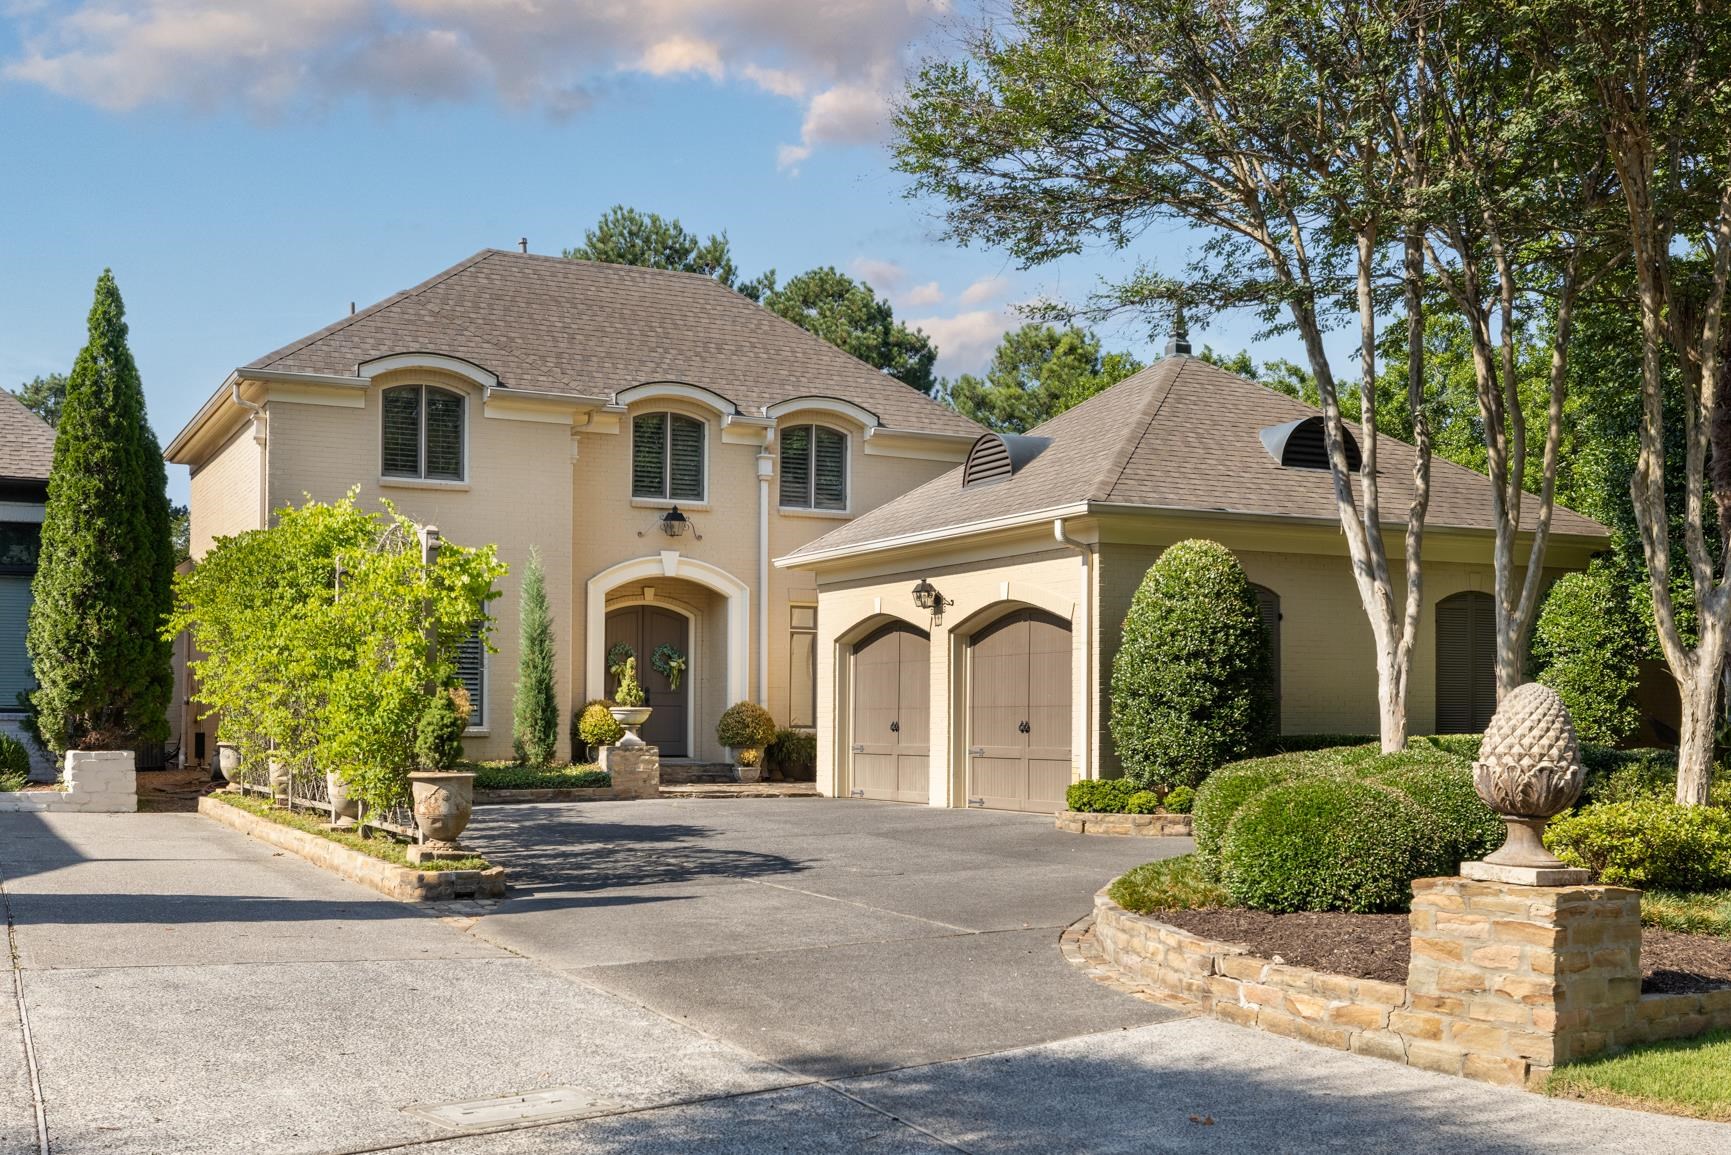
310 791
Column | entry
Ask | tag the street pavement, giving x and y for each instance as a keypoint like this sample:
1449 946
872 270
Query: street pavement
690 975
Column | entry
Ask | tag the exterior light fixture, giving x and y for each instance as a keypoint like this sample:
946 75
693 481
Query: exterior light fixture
674 523
927 597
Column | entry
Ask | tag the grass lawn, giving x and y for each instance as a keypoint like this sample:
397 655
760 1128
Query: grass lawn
516 776
1688 912
1169 884
1684 1077
379 846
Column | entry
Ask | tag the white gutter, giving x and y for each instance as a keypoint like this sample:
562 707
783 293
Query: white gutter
945 533
1085 623
890 432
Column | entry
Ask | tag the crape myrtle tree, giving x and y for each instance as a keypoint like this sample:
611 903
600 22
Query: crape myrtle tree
1292 137
1654 79
103 581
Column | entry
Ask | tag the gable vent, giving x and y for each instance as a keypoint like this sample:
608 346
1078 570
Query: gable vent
996 456
1303 444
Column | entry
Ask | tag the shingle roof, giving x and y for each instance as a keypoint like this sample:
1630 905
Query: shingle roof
26 442
1180 435
564 326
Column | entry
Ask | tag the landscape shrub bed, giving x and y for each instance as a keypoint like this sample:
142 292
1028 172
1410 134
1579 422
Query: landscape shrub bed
1647 842
1122 796
793 754
377 845
516 776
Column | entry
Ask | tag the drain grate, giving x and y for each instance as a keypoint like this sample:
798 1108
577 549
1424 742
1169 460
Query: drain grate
529 1107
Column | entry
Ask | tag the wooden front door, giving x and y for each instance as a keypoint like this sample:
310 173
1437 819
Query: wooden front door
644 628
1019 714
891 715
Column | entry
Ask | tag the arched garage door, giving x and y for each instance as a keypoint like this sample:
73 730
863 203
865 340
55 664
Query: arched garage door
1466 657
892 715
1019 713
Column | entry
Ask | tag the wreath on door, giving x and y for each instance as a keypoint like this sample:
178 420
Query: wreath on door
617 657
669 663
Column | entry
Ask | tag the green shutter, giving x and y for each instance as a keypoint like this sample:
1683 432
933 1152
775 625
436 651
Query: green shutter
402 425
15 676
685 451
649 455
796 466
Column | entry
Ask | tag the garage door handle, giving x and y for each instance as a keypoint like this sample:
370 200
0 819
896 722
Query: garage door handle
977 751
1022 728
859 748
895 727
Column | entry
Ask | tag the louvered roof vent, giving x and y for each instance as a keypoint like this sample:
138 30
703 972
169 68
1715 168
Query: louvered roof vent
1301 444
997 456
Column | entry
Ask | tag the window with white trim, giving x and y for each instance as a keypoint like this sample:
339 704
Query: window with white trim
422 433
472 673
667 457
813 467
802 666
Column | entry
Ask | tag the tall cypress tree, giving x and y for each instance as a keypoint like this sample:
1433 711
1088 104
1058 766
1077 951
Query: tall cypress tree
104 579
535 708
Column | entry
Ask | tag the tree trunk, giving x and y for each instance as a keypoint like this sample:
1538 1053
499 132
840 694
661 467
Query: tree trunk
1391 672
1700 695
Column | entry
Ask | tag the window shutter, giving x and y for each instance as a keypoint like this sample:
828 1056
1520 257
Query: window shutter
649 455
1466 682
685 450
1268 605
444 435
1484 664
829 487
472 672
796 466
401 456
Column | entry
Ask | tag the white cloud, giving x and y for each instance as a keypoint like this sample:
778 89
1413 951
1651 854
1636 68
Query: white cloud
984 289
966 341
839 58
884 276
926 294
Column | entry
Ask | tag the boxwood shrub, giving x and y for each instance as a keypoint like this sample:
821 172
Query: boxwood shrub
1142 802
1218 799
1461 827
1192 687
1647 843
1099 796
1179 799
1324 843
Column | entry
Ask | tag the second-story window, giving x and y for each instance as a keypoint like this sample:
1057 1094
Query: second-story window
423 433
813 467
667 457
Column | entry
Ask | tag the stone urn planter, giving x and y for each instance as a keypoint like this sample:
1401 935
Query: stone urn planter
443 802
630 717
228 760
1529 770
281 779
345 807
747 763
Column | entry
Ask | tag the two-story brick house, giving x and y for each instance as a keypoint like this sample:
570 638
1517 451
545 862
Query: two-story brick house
656 436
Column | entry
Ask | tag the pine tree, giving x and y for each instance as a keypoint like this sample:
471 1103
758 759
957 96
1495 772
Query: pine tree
103 583
535 710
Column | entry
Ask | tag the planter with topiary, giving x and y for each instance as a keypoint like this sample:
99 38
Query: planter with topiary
628 709
746 729
595 727
443 798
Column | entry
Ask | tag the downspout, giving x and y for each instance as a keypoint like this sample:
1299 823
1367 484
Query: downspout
765 468
1085 614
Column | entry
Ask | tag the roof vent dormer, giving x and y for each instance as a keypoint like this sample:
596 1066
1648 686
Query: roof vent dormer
1000 456
1302 444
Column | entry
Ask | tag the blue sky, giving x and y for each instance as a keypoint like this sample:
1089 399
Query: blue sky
248 169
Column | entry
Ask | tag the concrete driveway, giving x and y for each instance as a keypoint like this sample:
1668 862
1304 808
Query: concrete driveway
177 987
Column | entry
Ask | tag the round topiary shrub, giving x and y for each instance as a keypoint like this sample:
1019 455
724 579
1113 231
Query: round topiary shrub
597 727
1218 799
745 725
1648 843
1462 828
1324 843
1179 800
1142 802
1192 688
439 734
1585 647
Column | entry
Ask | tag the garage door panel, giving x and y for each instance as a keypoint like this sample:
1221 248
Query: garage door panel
1000 778
1019 713
891 717
1048 780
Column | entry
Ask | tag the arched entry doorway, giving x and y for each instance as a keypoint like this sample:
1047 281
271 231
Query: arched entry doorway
889 757
1019 713
1466 655
644 629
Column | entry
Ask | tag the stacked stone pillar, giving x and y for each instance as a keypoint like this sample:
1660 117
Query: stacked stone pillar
1507 981
635 769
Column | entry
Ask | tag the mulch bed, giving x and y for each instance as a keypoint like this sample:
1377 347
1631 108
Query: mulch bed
1378 946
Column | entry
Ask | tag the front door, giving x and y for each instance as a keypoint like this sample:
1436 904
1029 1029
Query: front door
891 715
645 629
1019 714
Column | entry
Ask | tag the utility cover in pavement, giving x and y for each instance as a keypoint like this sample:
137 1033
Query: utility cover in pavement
529 1107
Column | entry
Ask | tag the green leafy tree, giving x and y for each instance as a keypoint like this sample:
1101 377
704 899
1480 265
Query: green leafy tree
535 708
628 236
850 316
1037 372
103 582
180 532
1584 648
44 395
1192 685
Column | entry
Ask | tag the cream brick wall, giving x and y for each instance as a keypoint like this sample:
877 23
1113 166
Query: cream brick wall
225 496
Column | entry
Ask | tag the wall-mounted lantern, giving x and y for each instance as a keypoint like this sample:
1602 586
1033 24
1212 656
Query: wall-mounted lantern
927 597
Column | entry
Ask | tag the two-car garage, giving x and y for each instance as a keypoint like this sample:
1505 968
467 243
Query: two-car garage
1016 700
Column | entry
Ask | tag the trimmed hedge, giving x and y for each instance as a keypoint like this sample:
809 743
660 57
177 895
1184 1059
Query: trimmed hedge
1218 799
1142 802
1099 796
1585 648
1325 843
1647 843
1192 687
1462 828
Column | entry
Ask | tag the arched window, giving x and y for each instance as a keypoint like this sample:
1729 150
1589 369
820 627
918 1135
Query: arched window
1268 603
423 433
1466 663
667 457
813 467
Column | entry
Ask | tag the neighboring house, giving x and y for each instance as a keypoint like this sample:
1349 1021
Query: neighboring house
1037 544
26 455
659 437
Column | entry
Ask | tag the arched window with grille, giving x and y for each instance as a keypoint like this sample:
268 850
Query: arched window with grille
1466 663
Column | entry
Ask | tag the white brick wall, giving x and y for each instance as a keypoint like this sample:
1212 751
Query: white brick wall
97 782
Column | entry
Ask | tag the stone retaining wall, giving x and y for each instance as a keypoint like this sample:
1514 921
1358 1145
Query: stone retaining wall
96 782
400 882
1505 982
1134 825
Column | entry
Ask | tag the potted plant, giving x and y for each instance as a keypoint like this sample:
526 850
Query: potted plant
628 709
443 798
745 729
